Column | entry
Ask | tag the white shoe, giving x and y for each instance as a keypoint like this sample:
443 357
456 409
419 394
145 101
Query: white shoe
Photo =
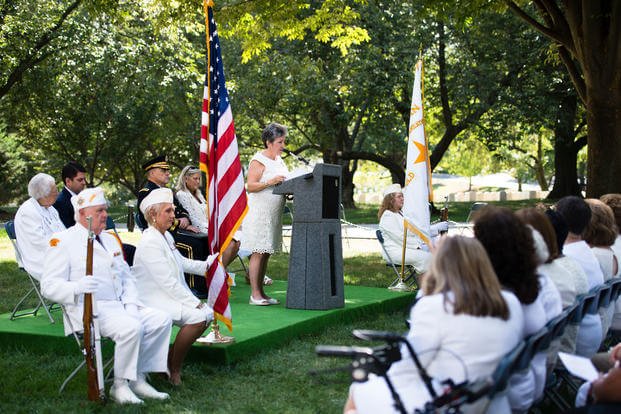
144 390
124 395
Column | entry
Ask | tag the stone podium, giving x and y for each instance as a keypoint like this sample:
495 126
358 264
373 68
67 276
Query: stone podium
316 254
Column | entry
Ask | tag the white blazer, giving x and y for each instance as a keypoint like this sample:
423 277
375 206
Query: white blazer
34 225
65 264
158 269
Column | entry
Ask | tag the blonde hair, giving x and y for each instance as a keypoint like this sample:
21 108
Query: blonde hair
461 266
387 204
187 171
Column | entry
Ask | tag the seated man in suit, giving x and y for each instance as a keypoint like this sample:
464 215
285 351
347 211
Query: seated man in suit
74 179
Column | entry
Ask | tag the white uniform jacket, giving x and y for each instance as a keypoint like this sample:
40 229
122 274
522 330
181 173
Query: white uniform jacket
158 269
34 225
65 263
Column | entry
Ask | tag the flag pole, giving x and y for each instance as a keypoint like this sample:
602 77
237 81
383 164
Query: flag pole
401 286
214 337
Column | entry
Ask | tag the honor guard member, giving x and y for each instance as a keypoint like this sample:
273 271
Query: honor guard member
141 334
157 171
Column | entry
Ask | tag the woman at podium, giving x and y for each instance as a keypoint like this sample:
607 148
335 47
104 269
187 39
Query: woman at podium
262 227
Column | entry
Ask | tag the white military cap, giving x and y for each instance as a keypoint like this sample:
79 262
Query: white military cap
88 197
392 188
157 196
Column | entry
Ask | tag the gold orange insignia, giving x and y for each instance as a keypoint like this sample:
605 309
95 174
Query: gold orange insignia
54 242
92 197
414 109
422 152
416 125
80 201
409 178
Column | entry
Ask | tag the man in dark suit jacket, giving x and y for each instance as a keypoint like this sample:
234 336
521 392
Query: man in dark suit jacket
74 178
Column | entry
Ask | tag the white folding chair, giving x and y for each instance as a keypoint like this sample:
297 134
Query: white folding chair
10 231
409 274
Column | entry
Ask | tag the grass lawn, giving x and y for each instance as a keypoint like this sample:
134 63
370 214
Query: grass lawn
275 380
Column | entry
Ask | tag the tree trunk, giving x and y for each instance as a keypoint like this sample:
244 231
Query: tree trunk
347 193
566 150
604 142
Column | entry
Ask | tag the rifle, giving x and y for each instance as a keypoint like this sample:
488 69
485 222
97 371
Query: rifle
92 339
444 213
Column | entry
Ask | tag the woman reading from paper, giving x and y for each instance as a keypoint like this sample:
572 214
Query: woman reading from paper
460 329
392 226
158 268
262 227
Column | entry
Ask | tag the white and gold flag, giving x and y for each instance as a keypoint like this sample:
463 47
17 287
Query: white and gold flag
417 190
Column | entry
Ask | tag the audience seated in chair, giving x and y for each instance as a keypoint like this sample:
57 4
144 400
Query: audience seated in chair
74 180
577 214
391 223
35 222
141 334
511 249
460 329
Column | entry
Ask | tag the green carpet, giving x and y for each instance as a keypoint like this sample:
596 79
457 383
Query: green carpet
254 327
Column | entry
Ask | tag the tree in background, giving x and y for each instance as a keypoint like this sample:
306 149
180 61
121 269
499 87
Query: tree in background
588 38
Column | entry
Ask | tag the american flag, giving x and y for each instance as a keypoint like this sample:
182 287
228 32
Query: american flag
219 158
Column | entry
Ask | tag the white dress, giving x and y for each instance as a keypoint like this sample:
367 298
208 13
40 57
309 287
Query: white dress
262 227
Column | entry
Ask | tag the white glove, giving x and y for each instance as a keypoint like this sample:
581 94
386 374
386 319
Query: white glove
132 310
87 284
435 229
212 258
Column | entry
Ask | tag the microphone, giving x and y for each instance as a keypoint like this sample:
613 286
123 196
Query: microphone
297 157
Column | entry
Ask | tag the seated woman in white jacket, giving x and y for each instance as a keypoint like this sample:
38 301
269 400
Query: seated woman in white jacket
159 267
391 224
460 329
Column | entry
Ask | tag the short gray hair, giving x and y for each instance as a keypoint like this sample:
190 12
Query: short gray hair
41 186
273 131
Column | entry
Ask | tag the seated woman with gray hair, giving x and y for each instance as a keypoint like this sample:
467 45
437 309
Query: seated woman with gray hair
35 222
159 267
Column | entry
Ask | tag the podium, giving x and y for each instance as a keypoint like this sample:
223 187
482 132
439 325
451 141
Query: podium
316 254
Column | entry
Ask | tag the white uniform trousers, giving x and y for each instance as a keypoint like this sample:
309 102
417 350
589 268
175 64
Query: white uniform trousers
194 315
141 345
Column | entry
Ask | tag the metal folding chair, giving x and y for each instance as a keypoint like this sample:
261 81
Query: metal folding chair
409 275
9 226
79 341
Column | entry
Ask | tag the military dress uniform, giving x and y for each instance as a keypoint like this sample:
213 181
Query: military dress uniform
142 339
190 245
